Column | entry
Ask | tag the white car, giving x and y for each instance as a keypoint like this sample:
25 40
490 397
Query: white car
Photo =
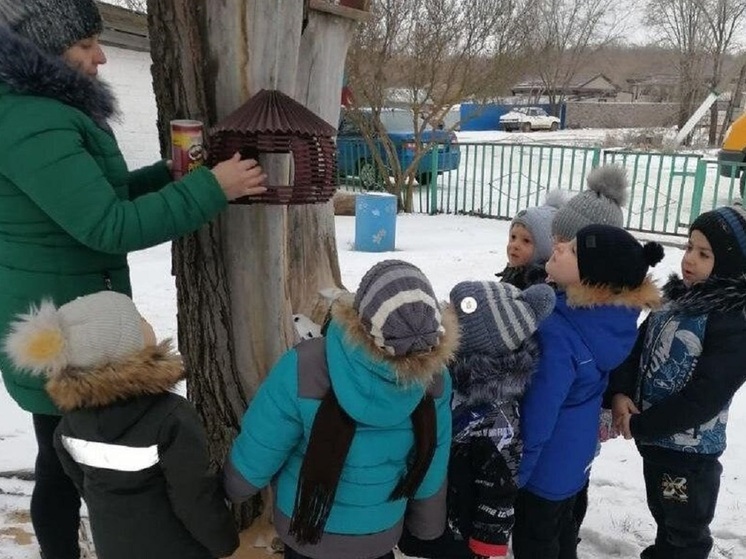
526 119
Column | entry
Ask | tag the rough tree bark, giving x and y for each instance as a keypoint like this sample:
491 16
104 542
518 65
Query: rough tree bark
240 278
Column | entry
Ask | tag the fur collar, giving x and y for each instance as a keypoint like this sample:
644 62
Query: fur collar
153 370
27 70
421 367
481 378
712 295
647 296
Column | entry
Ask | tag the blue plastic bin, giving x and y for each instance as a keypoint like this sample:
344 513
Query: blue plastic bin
375 222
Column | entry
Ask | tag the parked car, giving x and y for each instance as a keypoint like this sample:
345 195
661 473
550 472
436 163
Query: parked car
527 119
355 158
732 155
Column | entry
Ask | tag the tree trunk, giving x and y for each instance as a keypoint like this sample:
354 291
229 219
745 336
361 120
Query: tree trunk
240 278
312 248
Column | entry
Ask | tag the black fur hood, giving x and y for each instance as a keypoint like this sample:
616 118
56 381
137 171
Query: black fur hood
27 70
713 295
481 378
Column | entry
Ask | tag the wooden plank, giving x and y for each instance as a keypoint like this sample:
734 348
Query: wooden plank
114 38
341 11
124 28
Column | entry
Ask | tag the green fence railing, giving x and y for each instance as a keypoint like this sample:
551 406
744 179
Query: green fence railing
667 190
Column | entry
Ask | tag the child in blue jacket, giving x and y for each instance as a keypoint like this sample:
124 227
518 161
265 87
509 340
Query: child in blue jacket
353 430
603 286
673 392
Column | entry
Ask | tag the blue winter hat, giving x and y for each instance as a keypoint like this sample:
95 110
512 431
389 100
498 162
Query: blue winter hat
495 318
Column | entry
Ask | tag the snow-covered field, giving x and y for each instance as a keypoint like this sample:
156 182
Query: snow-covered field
448 249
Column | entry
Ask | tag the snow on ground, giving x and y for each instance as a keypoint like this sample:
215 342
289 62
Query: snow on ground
448 249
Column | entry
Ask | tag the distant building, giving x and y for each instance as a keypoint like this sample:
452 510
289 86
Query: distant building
594 88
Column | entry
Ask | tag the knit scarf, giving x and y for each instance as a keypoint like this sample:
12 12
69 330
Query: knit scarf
331 437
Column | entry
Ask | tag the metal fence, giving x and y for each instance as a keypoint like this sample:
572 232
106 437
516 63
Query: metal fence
667 190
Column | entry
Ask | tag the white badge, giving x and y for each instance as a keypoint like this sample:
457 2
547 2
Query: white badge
469 305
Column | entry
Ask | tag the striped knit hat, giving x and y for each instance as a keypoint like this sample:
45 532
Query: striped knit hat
495 318
52 25
397 306
725 229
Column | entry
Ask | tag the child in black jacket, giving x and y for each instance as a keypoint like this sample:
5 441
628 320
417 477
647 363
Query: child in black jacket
497 356
673 392
136 452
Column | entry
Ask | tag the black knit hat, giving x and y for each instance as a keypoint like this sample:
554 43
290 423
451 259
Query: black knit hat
611 256
725 229
52 25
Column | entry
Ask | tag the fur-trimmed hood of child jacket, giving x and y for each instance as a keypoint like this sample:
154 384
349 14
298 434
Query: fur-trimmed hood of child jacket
138 455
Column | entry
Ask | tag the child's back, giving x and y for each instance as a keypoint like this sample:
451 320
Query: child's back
353 429
136 452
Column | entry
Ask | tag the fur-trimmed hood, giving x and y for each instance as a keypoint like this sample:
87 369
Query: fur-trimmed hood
419 368
482 378
27 70
645 297
154 370
712 295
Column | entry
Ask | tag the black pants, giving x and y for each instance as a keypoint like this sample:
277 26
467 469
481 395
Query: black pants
544 529
682 491
581 507
55 503
292 554
446 546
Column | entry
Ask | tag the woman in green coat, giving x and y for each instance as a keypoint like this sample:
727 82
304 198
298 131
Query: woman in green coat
70 210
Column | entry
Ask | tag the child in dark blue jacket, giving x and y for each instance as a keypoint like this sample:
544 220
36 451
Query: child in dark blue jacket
673 392
497 356
603 286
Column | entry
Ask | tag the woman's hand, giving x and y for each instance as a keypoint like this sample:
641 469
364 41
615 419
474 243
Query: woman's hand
240 178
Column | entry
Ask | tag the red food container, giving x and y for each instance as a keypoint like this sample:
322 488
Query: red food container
187 146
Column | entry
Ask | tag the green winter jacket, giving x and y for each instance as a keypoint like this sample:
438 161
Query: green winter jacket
70 210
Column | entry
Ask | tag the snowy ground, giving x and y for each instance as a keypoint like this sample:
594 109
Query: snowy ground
448 249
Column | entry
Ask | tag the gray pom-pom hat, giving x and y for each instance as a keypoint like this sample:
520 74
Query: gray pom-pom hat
600 204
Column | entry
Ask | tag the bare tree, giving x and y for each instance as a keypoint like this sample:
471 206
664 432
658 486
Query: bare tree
564 35
681 24
441 52
724 19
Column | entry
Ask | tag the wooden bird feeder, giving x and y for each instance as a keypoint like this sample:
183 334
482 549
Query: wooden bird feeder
288 140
